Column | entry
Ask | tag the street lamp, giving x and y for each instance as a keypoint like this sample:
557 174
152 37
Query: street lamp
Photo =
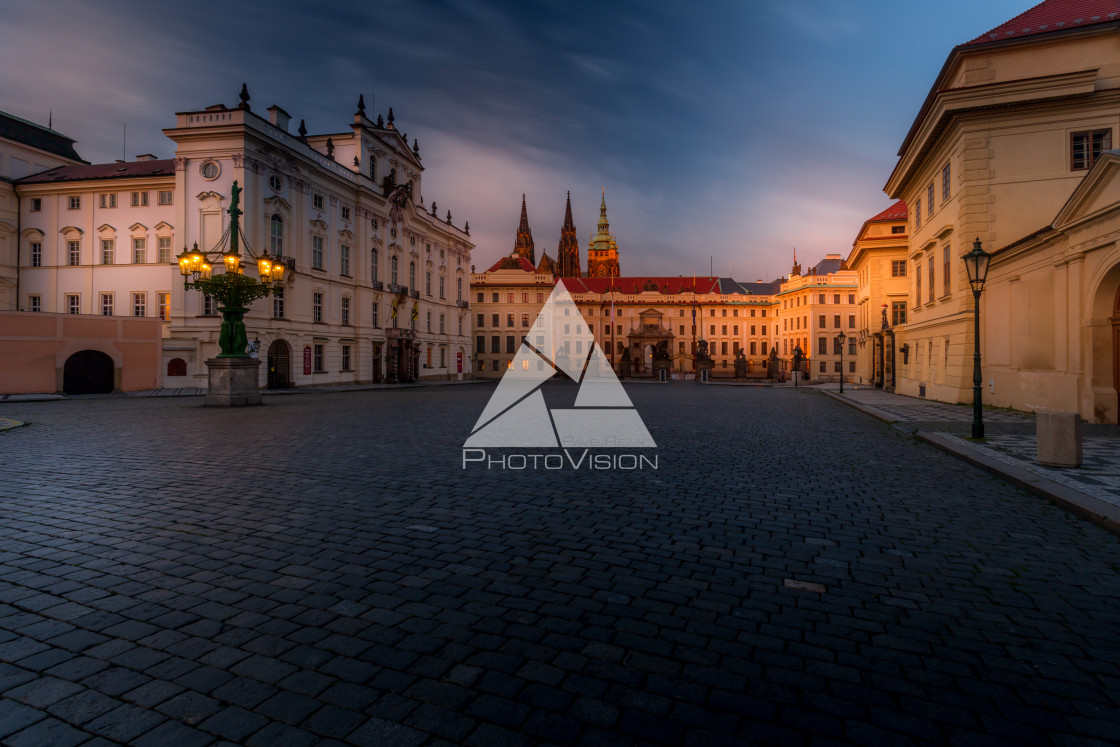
976 263
841 337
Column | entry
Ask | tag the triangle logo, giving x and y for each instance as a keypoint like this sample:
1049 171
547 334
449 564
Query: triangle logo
517 415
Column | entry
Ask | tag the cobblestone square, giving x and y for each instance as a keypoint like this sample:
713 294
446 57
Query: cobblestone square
322 570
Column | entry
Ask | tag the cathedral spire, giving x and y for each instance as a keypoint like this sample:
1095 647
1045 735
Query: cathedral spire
602 252
523 245
567 256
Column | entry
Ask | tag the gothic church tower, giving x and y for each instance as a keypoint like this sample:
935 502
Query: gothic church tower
602 251
523 246
568 264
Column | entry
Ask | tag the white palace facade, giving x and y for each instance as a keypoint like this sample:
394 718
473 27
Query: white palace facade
365 299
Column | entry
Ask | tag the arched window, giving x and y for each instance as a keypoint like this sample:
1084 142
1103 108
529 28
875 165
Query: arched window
373 264
459 289
176 367
412 275
393 275
276 236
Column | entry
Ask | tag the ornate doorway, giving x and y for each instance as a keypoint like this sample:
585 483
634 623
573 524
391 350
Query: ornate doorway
88 372
279 365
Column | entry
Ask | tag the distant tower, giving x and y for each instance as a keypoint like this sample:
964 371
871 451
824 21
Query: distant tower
602 251
523 246
796 267
568 264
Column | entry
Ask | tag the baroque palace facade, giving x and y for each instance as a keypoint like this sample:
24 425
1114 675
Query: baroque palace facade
366 298
630 315
1014 146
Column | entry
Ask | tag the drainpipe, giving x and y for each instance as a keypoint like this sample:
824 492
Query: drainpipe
19 224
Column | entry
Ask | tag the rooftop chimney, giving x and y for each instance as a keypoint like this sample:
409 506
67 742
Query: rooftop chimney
279 117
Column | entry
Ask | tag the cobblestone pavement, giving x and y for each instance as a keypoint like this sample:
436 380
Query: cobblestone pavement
321 570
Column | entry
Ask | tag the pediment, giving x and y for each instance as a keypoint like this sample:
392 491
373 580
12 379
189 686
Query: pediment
1098 193
277 204
106 228
70 229
164 226
319 225
346 233
138 228
208 196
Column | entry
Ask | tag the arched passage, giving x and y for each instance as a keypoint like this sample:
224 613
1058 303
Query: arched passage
88 372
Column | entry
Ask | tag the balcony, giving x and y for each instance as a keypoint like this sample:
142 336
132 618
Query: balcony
463 304
414 293
377 285
399 289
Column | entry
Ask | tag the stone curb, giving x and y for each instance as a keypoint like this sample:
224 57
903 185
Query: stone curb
1079 504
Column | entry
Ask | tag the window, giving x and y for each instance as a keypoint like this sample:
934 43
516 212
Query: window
74 202
164 243
480 344
493 298
836 367
918 215
317 202
316 252
823 321
823 366
164 197
427 283
851 298
318 358
898 313
345 213
412 275
210 170
373 265
393 270
945 269
495 344
442 283
509 320
36 254
509 344
73 303
494 320
276 235
35 303
36 204
898 268
898 229
209 308
929 200
163 300
140 304
754 348
820 298
851 366
139 199
139 251
345 357
317 307
373 168
1087 147
481 321
107 251
931 260
107 200
822 345
851 321
458 289
836 298
918 285
945 183
374 313
524 320
344 260
345 310
106 304
441 324
74 252
851 346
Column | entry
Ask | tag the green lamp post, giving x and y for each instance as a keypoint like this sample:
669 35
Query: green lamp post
232 290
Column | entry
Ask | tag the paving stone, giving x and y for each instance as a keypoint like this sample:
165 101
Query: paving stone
377 732
14 717
50 732
124 723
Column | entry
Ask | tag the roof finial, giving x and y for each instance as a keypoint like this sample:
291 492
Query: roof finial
361 104
50 119
415 147
330 148
389 121
302 131
244 96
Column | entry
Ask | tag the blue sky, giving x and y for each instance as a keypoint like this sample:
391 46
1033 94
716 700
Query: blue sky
731 130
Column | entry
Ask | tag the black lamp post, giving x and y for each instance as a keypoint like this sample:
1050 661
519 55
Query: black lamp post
842 338
976 263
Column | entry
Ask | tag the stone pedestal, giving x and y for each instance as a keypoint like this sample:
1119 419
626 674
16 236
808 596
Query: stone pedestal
234 382
1059 439
740 368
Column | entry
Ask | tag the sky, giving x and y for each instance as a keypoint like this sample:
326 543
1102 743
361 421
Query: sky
725 134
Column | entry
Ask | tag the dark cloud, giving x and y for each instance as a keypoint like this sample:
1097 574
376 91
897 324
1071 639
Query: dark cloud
732 129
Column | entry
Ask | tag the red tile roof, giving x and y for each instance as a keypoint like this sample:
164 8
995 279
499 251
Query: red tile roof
896 211
633 285
165 167
1053 15
512 263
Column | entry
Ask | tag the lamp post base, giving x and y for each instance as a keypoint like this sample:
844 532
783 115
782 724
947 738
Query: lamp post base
234 382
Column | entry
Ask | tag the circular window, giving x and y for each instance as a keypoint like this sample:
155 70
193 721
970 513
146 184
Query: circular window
275 182
210 170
